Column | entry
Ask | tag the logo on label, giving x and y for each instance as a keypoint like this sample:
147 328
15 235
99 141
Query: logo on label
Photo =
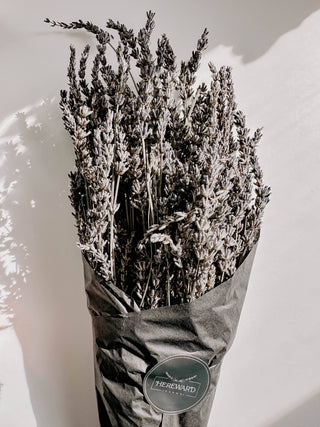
177 384
162 383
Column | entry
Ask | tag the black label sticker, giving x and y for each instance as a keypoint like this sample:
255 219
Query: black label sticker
177 384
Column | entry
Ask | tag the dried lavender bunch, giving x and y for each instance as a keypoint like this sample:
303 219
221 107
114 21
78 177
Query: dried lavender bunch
167 193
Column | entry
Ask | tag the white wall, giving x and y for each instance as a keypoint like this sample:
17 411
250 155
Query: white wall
270 378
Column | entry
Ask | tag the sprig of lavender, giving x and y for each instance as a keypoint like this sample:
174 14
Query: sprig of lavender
168 193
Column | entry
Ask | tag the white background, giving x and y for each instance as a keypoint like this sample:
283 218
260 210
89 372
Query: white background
271 376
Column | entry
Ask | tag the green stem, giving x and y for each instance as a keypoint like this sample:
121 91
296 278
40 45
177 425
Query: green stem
145 289
113 208
187 287
133 80
145 161
111 225
192 106
195 280
168 281
127 211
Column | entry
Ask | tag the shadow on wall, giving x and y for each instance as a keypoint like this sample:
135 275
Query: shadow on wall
251 27
43 267
305 415
37 232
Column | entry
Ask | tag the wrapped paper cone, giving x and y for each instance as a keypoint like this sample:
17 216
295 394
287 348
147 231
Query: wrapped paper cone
128 343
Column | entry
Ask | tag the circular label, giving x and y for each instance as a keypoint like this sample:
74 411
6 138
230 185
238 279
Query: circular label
177 384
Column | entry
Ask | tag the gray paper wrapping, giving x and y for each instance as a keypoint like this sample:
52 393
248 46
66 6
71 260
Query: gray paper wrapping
128 342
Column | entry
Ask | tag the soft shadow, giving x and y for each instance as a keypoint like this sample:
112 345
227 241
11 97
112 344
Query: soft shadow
50 317
305 415
250 27
42 283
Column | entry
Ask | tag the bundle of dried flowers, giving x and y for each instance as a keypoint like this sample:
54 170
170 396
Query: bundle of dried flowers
167 193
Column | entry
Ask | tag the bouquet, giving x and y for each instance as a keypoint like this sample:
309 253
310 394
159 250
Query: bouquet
168 198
